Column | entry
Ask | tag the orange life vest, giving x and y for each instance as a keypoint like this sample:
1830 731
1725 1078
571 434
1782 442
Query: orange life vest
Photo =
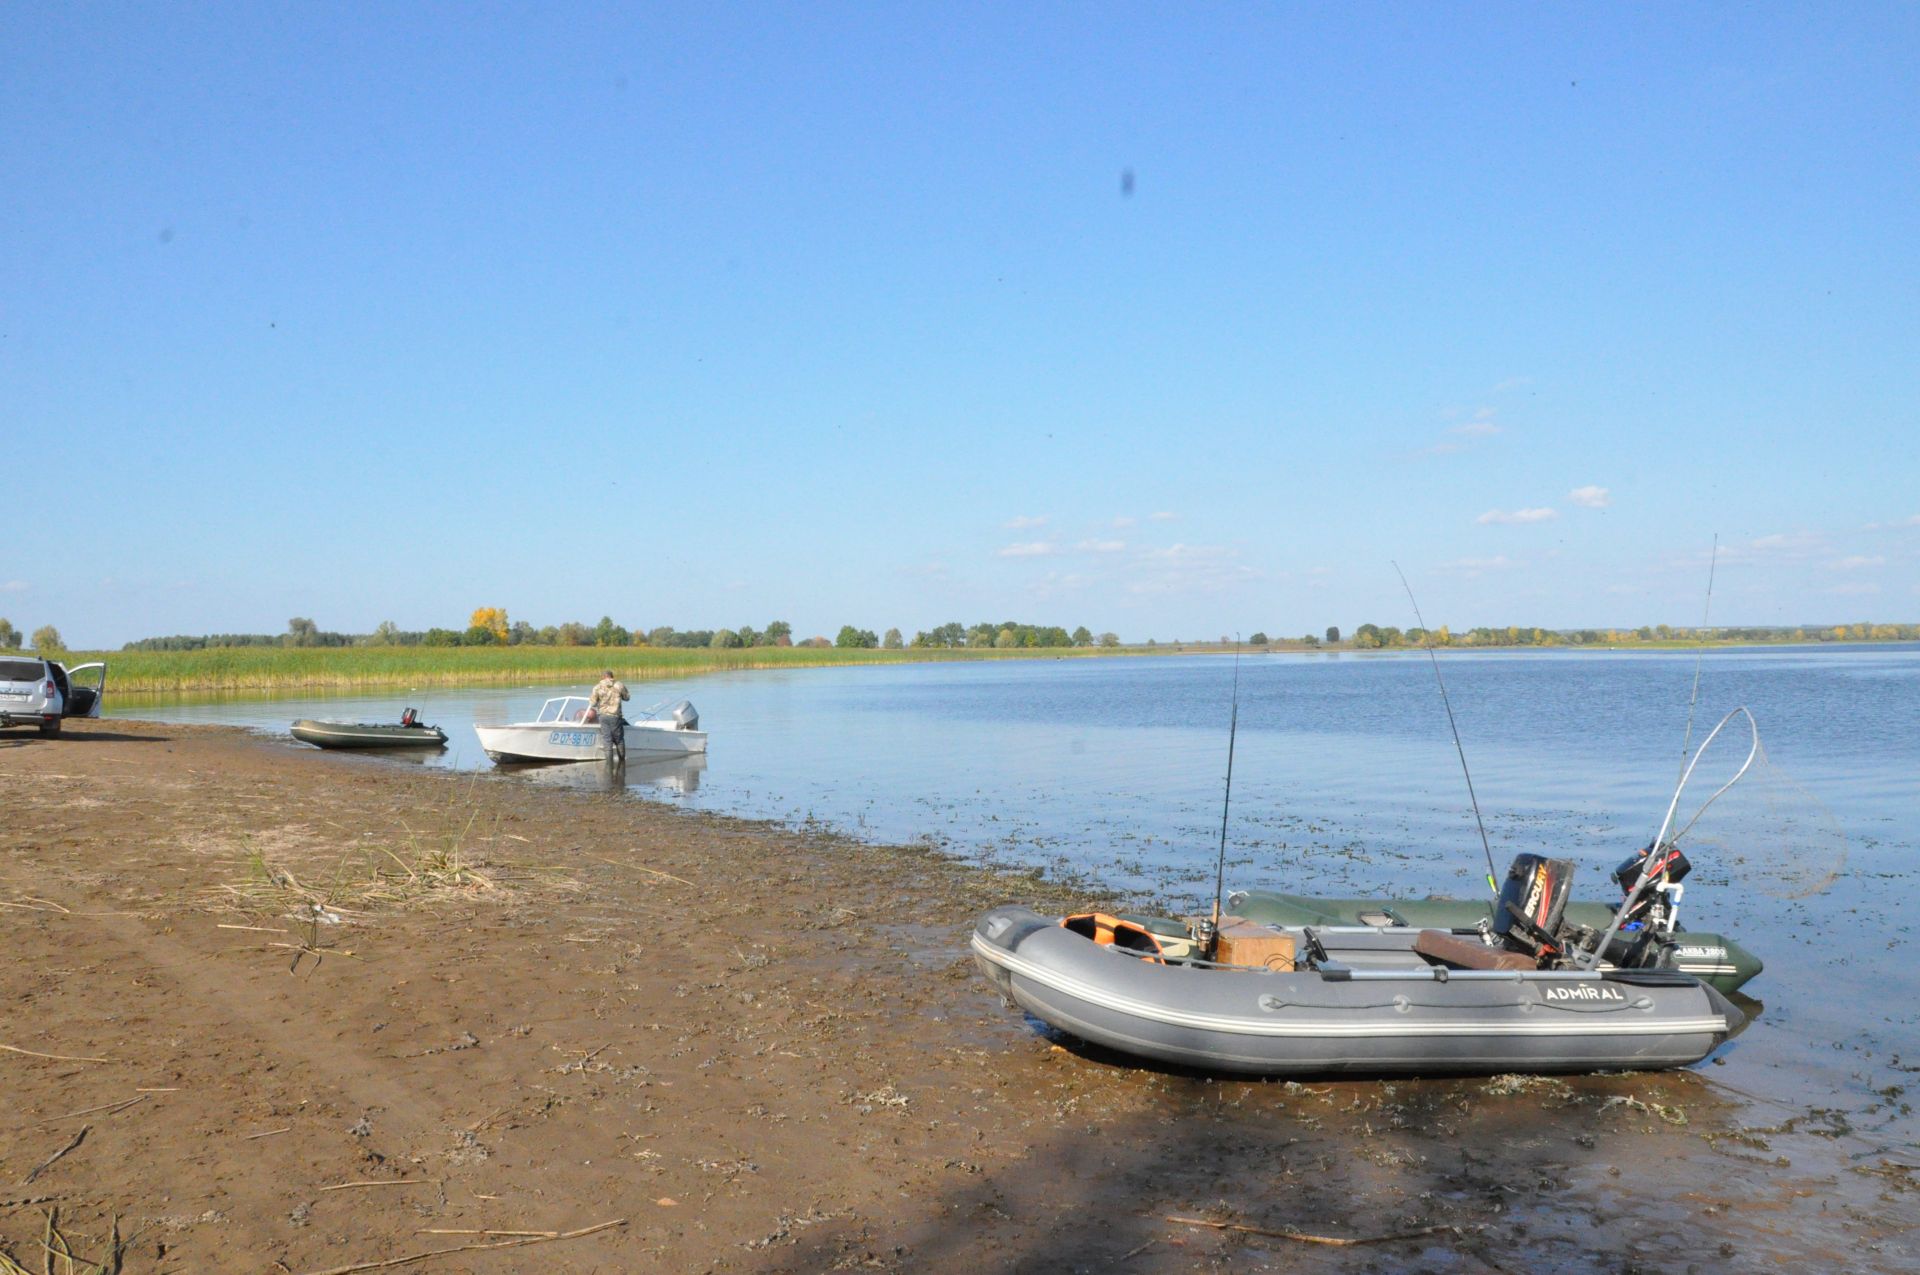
1113 931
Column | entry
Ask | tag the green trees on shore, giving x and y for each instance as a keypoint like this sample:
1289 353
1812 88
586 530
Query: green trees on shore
487 626
1376 637
490 626
1007 635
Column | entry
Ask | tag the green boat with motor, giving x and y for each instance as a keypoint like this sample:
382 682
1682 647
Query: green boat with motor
408 732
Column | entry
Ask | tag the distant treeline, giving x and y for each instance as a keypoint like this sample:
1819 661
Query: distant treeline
1010 634
489 626
1372 636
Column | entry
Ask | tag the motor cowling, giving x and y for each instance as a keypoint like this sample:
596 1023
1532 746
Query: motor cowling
1669 867
1532 903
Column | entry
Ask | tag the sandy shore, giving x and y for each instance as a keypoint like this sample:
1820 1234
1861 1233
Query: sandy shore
739 1047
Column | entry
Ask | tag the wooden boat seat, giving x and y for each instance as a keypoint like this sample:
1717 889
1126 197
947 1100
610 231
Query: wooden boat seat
1469 954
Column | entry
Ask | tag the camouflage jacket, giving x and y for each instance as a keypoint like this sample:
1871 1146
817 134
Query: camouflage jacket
607 697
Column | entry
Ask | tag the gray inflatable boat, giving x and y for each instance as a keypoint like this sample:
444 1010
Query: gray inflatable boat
1361 999
1290 986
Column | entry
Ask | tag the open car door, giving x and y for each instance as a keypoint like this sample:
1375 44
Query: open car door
86 689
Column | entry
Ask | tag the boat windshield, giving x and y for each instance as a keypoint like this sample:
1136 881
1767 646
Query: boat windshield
564 708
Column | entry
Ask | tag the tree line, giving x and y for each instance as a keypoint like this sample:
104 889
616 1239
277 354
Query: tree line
1374 637
46 638
491 626
1010 635
488 626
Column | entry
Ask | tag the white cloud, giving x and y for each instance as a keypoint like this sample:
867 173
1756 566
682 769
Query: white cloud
1516 517
14 586
1463 436
1165 515
1124 521
1101 546
1057 584
1790 546
1031 549
1025 522
1855 588
1591 497
1185 568
1857 561
1896 524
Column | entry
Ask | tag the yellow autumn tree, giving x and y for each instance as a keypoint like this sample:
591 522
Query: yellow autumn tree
493 619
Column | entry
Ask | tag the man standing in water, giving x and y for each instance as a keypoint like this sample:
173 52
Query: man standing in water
608 695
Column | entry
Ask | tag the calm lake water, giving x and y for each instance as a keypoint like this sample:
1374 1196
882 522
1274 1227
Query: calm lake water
1345 782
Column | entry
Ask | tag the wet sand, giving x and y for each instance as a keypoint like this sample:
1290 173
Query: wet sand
523 1009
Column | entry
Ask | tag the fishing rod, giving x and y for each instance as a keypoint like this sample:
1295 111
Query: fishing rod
1220 865
1586 958
1700 651
1427 641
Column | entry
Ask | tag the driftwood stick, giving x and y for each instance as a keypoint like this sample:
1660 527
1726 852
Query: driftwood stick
1304 1238
252 1137
53 1159
465 1248
109 1107
346 1186
15 1049
643 868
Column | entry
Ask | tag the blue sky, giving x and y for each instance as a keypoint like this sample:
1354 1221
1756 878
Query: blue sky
1170 321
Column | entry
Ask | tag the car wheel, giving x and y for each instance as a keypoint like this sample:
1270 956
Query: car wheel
50 729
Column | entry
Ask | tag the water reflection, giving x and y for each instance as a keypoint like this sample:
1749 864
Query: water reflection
678 775
407 756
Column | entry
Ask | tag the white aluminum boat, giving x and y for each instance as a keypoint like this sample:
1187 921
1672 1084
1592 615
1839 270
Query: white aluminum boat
563 732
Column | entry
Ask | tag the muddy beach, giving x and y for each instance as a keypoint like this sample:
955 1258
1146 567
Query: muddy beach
270 1010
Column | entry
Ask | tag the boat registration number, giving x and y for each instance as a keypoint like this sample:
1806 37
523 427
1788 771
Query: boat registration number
575 738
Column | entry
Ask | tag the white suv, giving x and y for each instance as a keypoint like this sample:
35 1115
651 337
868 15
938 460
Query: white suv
37 692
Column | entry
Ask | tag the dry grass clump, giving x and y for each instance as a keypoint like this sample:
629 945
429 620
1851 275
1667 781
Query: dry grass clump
359 881
57 1256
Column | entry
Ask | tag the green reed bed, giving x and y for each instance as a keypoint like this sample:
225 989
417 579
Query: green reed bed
277 668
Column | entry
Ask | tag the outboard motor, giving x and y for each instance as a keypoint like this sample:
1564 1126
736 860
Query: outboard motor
1532 903
1670 867
685 716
